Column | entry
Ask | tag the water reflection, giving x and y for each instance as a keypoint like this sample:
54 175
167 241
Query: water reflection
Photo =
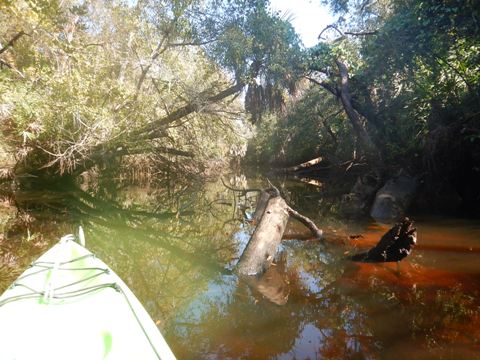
176 244
273 285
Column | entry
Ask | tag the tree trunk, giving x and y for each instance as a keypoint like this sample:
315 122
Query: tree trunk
151 131
370 148
157 128
272 214
261 205
261 249
352 110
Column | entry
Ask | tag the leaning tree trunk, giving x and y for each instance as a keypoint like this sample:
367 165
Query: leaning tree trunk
261 248
370 148
261 206
272 215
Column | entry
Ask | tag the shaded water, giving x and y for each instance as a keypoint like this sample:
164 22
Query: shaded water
175 246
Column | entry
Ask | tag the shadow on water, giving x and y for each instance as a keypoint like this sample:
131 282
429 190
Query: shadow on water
176 244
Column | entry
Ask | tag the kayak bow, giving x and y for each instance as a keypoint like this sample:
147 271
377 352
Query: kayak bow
70 305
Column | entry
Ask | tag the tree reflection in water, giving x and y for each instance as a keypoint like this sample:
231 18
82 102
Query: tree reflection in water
175 245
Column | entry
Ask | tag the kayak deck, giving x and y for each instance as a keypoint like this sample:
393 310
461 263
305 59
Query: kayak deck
70 305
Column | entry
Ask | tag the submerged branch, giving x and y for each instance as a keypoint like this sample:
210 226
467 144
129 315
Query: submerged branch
305 221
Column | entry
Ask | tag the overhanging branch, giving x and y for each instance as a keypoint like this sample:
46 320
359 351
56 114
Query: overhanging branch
151 130
325 85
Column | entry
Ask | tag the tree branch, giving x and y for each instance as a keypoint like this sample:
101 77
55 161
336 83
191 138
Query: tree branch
361 33
159 50
370 149
12 41
150 130
343 33
304 165
325 85
305 221
4 63
331 26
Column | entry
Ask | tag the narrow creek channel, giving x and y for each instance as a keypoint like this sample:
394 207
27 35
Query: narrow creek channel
175 247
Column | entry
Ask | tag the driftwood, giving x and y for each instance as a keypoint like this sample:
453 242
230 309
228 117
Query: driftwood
272 214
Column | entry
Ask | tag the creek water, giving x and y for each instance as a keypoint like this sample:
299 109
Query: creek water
175 246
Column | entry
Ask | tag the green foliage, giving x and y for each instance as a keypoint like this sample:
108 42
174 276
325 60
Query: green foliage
314 126
413 68
83 80
261 50
264 147
253 42
423 62
86 77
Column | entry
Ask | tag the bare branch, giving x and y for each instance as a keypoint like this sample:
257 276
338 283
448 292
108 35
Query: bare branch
176 152
331 26
159 50
304 165
305 221
342 34
362 33
4 63
102 44
184 111
12 41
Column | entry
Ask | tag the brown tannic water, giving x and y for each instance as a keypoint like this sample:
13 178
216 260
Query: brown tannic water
175 246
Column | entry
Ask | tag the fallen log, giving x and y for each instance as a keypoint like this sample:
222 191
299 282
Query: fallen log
304 165
272 214
261 206
262 247
309 181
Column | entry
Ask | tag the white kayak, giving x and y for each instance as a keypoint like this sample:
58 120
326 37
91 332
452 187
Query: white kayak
70 305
